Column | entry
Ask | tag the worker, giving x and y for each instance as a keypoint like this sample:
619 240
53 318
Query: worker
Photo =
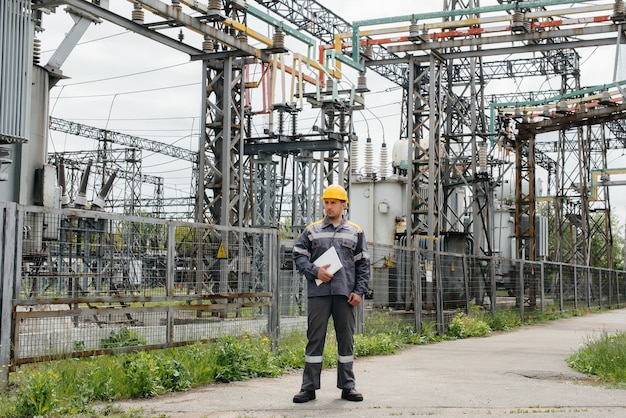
329 294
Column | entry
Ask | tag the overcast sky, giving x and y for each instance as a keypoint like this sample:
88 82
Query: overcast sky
124 82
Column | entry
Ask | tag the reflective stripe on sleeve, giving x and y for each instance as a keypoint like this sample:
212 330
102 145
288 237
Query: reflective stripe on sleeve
300 250
361 255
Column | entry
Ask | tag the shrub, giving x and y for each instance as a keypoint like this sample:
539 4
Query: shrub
174 376
240 359
142 375
148 375
463 326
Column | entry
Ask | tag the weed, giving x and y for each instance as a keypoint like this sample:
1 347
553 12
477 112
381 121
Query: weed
36 395
123 338
463 326
142 375
604 357
241 359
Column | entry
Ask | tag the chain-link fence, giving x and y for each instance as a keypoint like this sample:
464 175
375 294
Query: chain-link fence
89 282
80 282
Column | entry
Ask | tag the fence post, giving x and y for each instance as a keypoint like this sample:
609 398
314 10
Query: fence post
560 287
169 327
8 212
274 273
542 293
437 273
610 301
520 289
466 281
588 285
617 277
575 286
171 260
493 298
417 280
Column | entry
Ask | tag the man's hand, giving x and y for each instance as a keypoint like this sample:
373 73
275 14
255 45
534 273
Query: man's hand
354 299
323 274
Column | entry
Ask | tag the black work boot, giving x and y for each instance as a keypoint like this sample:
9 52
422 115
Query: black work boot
351 395
304 396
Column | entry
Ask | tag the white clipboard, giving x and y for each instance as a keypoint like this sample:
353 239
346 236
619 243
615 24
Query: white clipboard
331 257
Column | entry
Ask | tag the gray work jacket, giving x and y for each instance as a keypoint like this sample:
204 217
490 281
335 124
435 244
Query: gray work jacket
349 241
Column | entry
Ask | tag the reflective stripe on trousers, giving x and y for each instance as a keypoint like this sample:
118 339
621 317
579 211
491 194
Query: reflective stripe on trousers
320 309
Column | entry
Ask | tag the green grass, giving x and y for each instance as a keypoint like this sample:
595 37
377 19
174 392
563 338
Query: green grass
604 357
73 387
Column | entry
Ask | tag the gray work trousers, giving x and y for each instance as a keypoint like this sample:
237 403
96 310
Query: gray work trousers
320 309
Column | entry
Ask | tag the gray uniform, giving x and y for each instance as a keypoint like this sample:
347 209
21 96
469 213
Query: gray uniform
331 299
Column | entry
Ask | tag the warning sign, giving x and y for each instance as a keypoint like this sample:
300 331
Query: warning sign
221 252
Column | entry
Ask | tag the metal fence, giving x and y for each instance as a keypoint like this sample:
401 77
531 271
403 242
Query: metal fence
436 285
79 282
83 282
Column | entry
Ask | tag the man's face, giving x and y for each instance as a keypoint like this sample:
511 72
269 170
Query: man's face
334 208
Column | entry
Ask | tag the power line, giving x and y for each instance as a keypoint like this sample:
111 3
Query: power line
136 119
49 51
122 76
125 93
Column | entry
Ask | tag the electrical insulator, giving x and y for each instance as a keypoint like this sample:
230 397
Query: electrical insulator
207 45
369 157
362 82
36 50
482 157
384 160
619 12
81 197
278 42
281 122
414 30
137 14
294 124
517 22
248 116
176 4
215 5
342 121
354 153
65 198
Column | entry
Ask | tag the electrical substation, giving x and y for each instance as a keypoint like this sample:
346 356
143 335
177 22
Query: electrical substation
494 191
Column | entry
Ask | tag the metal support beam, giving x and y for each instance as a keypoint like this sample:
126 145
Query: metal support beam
116 19
81 24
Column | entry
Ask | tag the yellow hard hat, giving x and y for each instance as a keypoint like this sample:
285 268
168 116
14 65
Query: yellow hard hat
335 191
